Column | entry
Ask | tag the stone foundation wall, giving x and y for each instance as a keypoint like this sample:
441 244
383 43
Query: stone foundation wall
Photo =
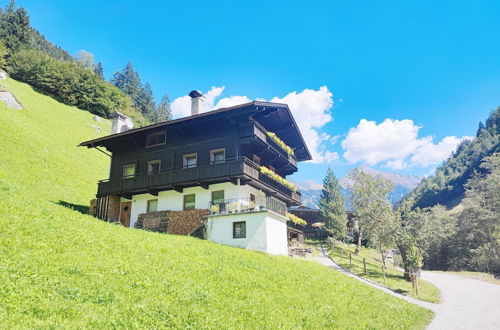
173 222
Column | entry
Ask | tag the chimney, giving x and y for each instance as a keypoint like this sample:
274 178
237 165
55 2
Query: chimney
120 123
196 102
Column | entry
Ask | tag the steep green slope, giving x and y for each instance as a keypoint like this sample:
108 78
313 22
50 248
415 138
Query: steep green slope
447 185
61 268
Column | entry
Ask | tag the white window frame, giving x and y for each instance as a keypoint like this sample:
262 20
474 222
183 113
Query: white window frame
185 160
150 168
124 176
212 155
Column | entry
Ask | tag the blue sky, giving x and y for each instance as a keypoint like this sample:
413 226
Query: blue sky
434 63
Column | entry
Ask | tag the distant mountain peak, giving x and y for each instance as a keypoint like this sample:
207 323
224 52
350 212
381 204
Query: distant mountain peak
409 181
311 190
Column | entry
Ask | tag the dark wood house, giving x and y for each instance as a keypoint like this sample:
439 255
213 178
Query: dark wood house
227 161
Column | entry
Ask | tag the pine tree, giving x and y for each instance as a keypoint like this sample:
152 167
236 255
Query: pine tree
163 111
15 30
99 70
331 206
129 82
145 101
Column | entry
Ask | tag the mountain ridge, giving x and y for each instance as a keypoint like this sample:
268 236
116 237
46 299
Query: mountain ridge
311 190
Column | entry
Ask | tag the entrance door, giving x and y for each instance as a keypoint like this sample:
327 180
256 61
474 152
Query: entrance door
125 208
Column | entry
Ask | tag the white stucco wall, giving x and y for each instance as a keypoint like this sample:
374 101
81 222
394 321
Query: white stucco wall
172 200
277 240
265 231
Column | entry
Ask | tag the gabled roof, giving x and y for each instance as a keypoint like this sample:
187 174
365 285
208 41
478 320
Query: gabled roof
272 114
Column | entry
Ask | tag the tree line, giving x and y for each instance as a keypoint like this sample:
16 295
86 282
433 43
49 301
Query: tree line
466 237
29 57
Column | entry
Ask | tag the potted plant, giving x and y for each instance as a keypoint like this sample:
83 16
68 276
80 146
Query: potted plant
214 209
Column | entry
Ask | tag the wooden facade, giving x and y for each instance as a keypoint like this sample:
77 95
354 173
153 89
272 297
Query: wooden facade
226 145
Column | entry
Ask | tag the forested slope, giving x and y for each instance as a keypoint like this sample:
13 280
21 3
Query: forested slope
447 185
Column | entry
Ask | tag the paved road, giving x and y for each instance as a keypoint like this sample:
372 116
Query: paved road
465 303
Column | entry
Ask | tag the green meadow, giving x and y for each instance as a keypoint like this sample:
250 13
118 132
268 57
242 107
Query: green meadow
61 268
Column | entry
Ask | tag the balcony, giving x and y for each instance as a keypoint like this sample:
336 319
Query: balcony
202 175
261 133
246 205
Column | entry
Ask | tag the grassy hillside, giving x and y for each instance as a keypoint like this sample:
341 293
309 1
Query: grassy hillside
393 276
61 268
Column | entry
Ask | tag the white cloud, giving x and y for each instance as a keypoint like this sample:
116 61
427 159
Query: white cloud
310 108
330 157
430 154
396 144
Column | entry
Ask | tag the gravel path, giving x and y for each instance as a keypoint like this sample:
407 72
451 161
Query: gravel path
466 303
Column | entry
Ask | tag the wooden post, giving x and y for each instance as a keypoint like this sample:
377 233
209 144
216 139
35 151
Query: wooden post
364 265
350 259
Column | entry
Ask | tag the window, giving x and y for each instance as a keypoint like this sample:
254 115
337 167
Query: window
218 196
217 156
189 202
154 166
156 139
152 205
128 170
239 229
190 160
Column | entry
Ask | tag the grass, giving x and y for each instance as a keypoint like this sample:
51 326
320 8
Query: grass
394 277
60 268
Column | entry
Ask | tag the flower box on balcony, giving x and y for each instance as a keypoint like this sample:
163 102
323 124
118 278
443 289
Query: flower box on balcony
280 142
270 173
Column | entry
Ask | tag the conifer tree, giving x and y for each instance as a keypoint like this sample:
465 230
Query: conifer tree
15 30
145 101
99 70
331 206
163 111
129 82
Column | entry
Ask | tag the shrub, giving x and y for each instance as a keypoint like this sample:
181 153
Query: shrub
71 84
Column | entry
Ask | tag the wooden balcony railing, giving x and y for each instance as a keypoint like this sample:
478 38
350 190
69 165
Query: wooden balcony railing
201 174
261 133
